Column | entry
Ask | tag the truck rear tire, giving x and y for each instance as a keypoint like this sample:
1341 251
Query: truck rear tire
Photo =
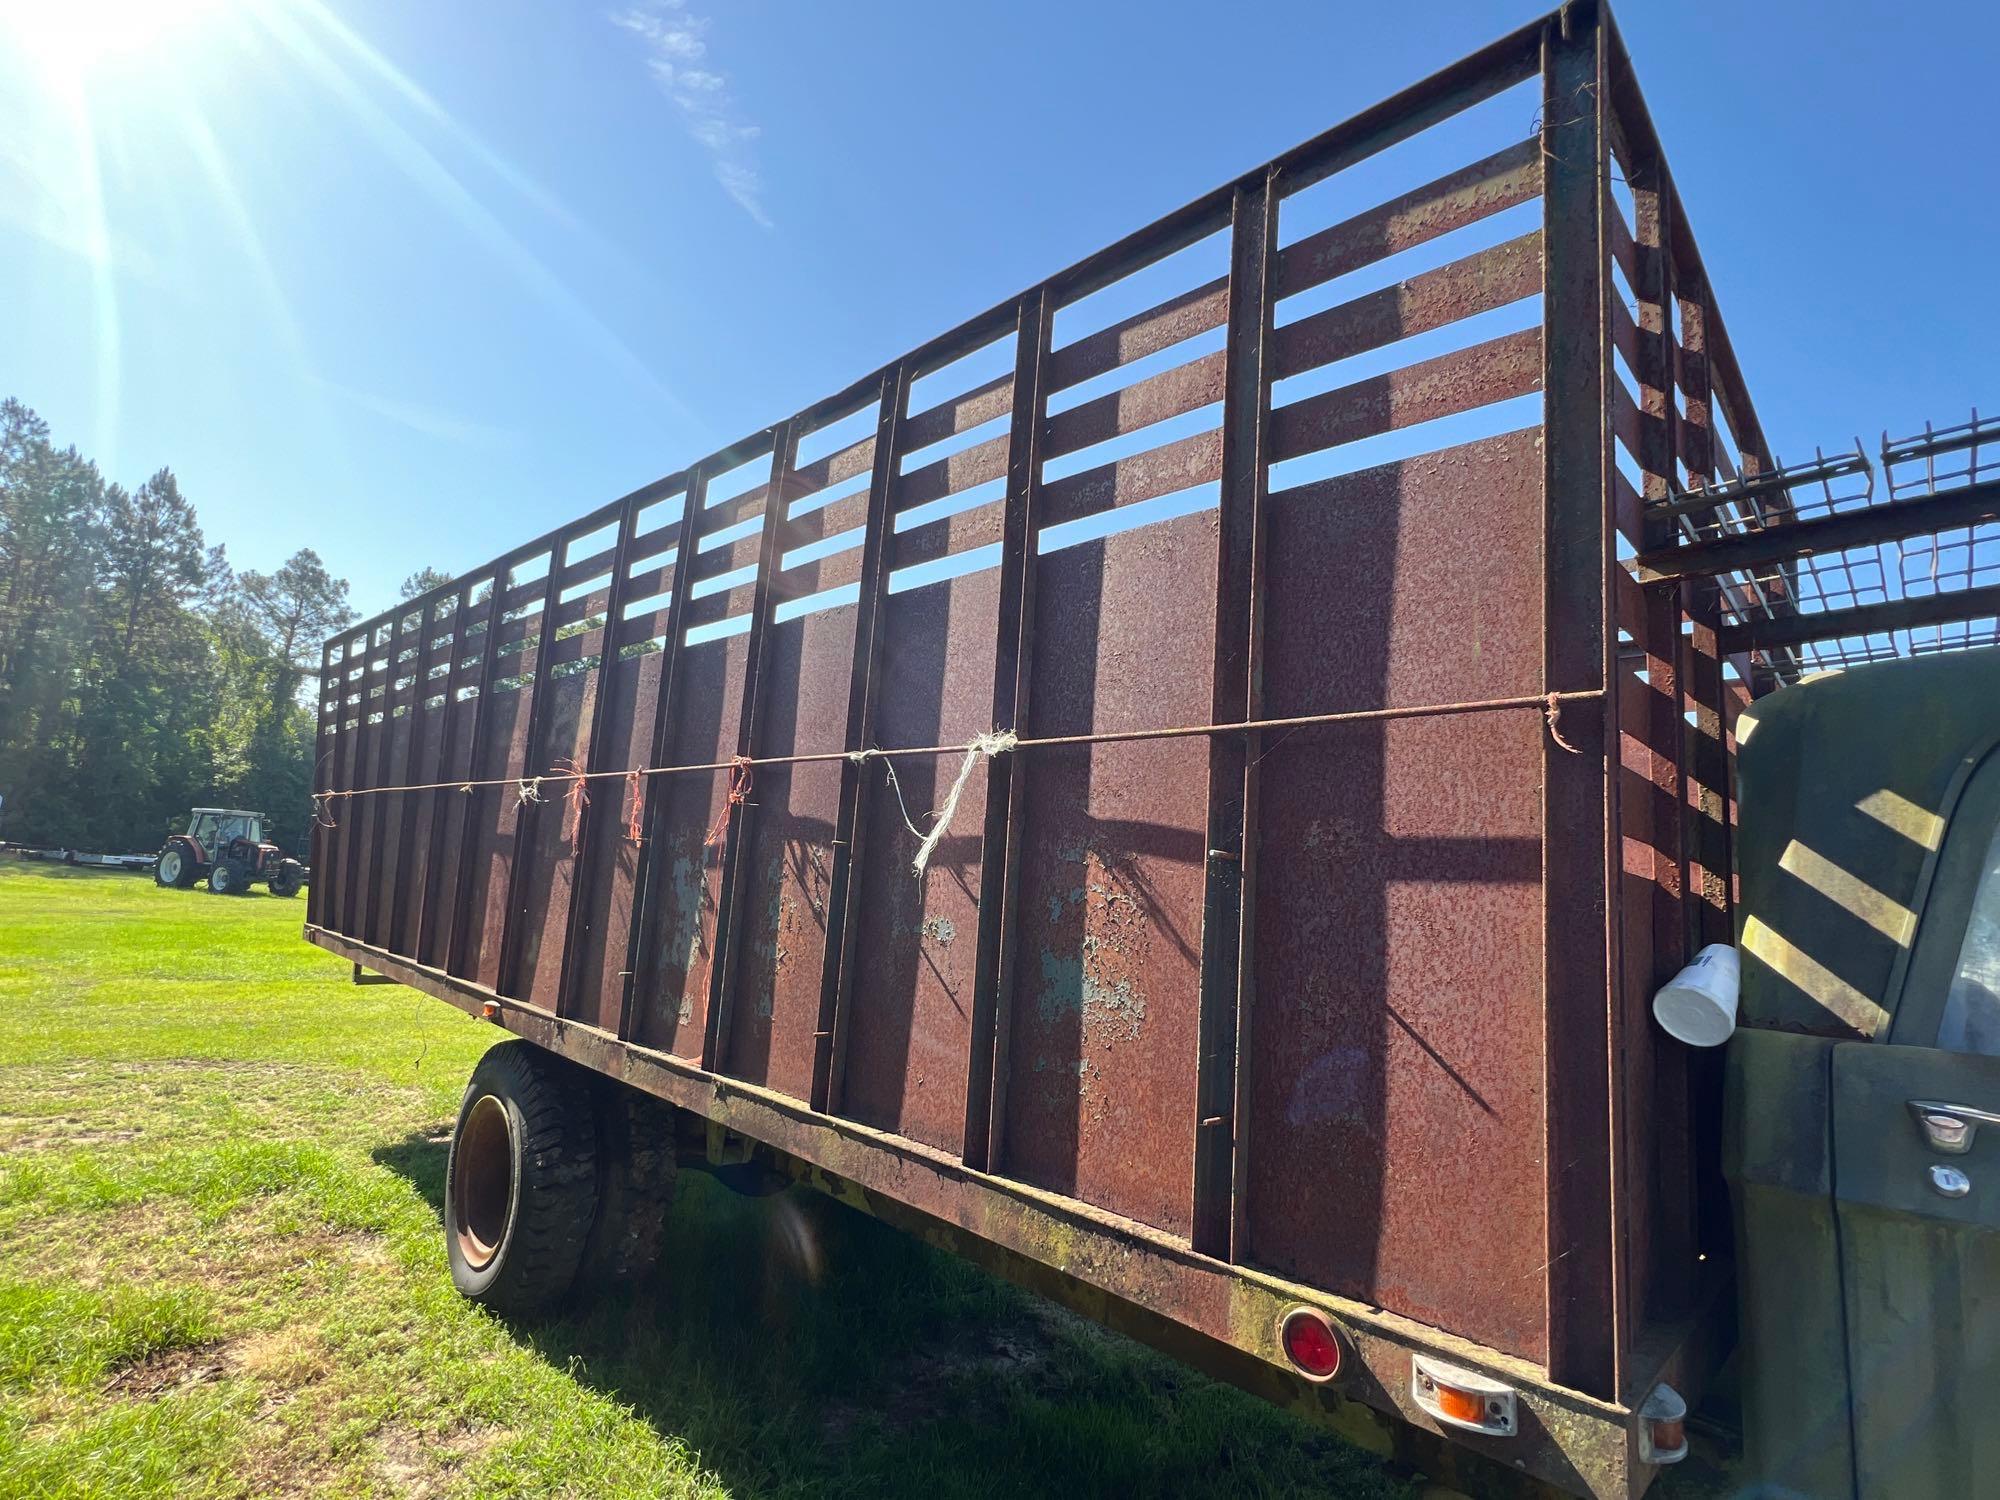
521 1180
636 1172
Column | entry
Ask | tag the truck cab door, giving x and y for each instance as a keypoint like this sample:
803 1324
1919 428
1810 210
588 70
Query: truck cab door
1916 1175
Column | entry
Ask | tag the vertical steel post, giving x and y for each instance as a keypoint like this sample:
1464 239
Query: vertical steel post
324 763
1006 783
593 754
642 947
722 973
850 824
1228 933
468 834
513 919
1672 1254
434 874
372 922
1580 845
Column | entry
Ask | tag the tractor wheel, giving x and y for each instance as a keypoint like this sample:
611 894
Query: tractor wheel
224 880
174 869
285 879
521 1181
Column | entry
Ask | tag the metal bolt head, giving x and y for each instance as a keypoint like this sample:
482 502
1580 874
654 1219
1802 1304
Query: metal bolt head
1949 1182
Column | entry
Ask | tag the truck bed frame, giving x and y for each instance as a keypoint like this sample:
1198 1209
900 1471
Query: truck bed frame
1292 947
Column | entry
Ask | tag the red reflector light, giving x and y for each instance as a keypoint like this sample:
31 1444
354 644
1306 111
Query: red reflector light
1310 1343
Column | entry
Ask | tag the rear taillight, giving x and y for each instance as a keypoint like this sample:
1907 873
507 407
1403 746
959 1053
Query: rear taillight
1310 1343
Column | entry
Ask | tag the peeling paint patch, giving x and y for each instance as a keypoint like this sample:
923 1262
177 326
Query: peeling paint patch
939 930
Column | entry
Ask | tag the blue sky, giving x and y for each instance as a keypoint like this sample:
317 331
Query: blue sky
409 283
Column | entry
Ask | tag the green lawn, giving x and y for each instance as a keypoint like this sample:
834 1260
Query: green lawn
221 1273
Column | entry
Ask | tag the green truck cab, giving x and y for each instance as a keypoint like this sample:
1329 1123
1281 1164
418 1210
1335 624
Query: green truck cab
1862 1123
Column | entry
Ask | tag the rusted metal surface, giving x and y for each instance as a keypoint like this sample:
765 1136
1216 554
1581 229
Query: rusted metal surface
1129 1275
1589 1325
1356 1008
1099 1089
1396 1115
1236 684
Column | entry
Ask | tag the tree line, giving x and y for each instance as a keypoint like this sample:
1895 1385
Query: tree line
141 674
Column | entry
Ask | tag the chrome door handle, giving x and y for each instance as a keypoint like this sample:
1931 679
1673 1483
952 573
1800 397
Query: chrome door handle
1949 1128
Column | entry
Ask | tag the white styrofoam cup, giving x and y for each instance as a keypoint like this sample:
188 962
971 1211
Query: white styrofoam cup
1698 1005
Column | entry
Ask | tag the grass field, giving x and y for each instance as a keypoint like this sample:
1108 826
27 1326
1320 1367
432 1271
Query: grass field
221 1273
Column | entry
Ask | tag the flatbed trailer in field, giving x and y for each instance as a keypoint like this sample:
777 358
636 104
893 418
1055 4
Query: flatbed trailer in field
1310 825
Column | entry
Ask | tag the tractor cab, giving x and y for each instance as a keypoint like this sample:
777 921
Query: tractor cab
218 828
225 847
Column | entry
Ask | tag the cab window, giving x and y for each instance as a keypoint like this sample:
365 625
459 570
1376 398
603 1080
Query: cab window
1971 1020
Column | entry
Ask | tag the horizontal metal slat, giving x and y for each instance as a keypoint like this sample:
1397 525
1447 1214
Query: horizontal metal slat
1485 373
1453 201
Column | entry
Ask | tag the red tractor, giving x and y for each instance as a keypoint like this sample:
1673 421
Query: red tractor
225 846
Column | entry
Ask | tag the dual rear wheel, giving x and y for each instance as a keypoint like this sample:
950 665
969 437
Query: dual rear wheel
556 1177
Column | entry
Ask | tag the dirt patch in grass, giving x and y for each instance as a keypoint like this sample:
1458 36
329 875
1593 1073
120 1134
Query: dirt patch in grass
420 1465
168 1370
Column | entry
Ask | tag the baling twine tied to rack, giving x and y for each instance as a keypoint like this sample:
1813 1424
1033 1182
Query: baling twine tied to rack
982 747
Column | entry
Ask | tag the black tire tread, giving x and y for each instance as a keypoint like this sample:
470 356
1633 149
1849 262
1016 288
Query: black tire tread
553 1213
638 1169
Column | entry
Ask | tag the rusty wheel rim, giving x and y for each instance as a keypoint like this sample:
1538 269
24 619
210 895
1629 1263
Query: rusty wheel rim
482 1182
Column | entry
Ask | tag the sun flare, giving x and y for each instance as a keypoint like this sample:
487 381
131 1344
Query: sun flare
72 37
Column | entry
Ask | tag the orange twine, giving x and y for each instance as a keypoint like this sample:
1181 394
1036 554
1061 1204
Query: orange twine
635 790
575 800
739 788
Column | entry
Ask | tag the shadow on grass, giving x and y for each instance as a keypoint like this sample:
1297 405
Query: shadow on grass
803 1349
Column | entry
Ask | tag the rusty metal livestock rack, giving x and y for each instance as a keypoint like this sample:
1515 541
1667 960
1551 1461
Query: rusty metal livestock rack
1330 797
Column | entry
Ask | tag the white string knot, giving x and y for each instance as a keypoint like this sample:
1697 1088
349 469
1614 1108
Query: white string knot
985 745
528 790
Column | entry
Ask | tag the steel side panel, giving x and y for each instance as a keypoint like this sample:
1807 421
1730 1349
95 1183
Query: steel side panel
606 911
1100 1085
422 808
1395 1129
390 812
505 732
782 927
454 886
708 693
909 1033
545 888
